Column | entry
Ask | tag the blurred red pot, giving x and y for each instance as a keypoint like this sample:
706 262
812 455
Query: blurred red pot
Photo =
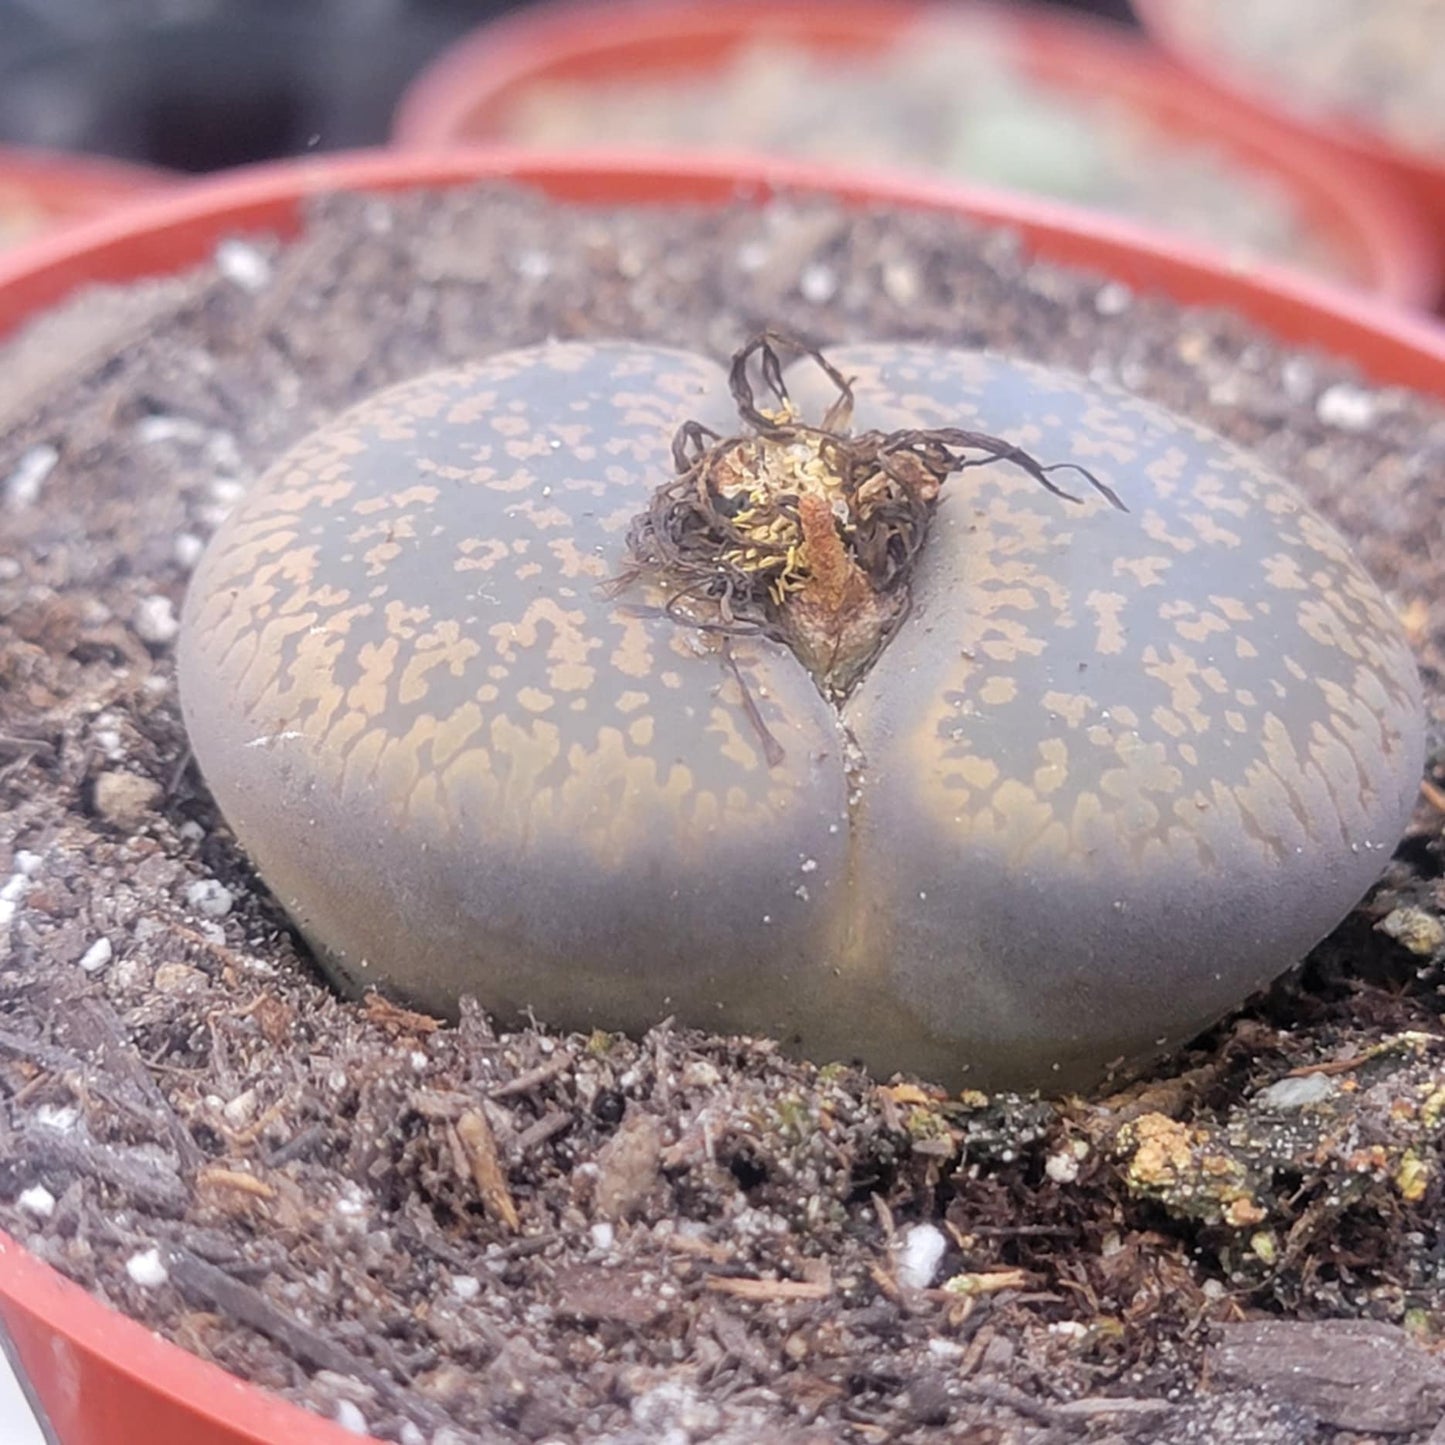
1418 177
1351 208
40 189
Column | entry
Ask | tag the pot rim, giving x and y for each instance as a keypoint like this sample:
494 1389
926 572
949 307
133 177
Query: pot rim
179 227
79 1324
63 183
61 1322
1358 202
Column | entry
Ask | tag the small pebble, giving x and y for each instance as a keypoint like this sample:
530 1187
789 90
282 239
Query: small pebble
533 265
629 1164
901 283
818 283
130 973
700 1074
177 978
997 1356
1297 1093
37 1200
1113 299
603 1235
14 889
752 256
96 956
1062 1168
223 456
1350 408
153 429
226 491
919 1255
243 265
466 1287
1413 928
409 1434
60 1117
126 800
353 1203
186 548
1297 376
349 1417
240 1110
155 621
209 897
146 1269
22 486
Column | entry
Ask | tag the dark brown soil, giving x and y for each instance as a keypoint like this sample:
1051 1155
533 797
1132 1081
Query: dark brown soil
445 1234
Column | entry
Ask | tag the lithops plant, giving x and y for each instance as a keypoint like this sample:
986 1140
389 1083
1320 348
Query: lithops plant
598 681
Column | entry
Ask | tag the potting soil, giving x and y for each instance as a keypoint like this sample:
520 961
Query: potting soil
446 1234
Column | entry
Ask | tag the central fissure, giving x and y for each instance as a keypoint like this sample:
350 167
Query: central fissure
806 532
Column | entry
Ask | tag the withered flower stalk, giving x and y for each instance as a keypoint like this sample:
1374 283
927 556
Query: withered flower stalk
807 533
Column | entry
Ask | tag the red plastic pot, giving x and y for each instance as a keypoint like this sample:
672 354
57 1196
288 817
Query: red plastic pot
46 188
1418 177
1353 206
104 1380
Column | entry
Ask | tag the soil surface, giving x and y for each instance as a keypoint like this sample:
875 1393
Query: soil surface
448 1234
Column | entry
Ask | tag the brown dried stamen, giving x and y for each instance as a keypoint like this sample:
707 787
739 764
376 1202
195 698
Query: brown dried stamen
808 534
